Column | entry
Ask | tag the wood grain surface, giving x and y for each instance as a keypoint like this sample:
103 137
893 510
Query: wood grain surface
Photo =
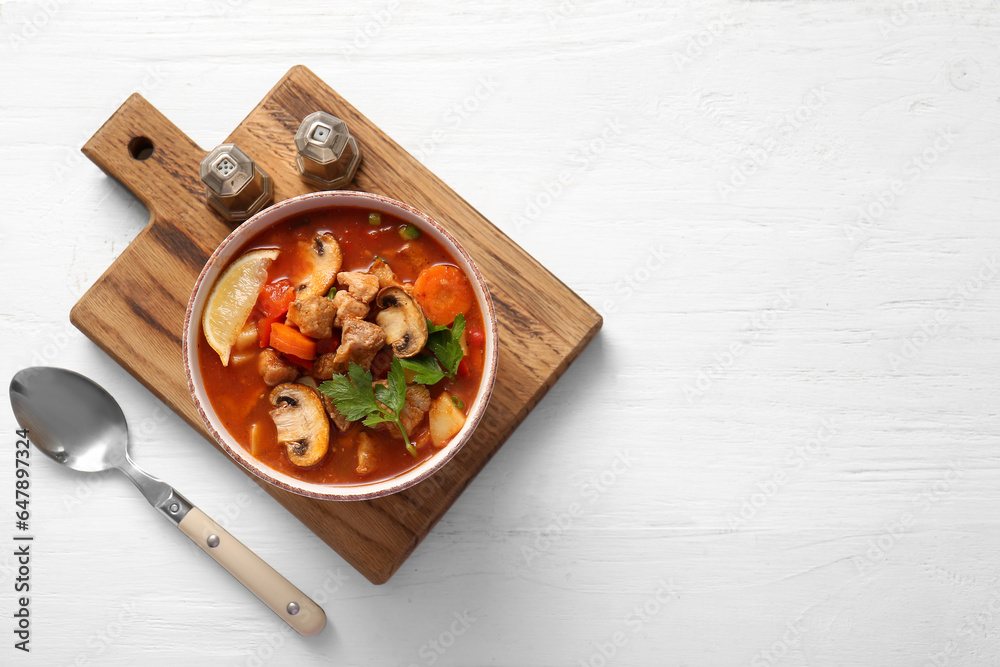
135 310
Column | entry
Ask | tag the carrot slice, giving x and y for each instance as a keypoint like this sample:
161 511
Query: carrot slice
304 363
443 292
292 341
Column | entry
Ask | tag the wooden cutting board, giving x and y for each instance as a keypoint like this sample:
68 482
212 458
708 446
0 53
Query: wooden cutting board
135 311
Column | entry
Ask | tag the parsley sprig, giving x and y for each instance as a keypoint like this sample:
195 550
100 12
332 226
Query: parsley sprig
356 397
425 369
445 343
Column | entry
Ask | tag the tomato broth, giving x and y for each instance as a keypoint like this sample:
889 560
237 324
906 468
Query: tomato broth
239 394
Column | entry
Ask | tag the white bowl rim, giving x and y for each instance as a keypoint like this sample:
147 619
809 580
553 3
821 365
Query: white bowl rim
221 257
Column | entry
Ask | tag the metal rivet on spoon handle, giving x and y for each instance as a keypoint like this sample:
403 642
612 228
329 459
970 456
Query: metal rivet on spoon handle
77 423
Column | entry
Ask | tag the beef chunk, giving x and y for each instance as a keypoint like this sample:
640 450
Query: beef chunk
274 369
338 420
324 367
362 286
418 402
360 343
385 275
313 315
347 308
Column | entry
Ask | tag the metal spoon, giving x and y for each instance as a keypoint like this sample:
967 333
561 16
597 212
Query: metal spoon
76 422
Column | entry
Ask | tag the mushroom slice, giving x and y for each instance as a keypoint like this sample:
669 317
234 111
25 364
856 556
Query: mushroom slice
403 321
302 424
324 261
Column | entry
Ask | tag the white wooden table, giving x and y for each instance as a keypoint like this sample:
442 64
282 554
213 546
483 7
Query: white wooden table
781 449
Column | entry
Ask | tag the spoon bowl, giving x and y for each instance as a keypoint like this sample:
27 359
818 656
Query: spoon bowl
71 420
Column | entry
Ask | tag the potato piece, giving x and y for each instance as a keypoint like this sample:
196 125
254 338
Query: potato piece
247 337
256 440
445 420
242 357
367 454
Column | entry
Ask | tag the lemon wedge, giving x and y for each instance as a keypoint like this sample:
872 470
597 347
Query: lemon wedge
232 298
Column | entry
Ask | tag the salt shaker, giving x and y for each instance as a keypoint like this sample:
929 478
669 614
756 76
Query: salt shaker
327 153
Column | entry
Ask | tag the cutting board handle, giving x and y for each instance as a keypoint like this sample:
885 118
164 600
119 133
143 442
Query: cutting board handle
150 156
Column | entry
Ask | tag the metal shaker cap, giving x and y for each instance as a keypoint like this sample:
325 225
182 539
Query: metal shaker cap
328 155
235 186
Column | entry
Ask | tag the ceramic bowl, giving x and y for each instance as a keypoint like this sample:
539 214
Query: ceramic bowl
228 250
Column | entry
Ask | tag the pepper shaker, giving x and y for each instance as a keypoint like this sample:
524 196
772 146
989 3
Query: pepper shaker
327 153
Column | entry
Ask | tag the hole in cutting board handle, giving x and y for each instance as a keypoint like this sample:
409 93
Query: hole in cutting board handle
140 148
